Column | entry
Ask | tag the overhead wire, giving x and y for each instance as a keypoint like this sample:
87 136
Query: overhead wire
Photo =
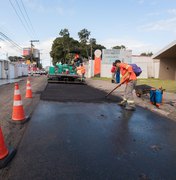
26 21
24 8
19 17
11 41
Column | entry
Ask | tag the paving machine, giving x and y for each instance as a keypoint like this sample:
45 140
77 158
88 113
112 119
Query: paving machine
64 73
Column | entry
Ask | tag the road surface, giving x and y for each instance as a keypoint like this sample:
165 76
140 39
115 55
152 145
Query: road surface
84 136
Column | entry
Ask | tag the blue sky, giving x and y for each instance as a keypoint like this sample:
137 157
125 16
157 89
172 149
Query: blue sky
141 25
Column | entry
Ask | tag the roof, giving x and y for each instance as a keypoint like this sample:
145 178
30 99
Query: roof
167 52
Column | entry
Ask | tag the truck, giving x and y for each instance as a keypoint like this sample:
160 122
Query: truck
64 73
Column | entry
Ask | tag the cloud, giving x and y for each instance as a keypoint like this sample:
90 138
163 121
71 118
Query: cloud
161 25
154 14
141 1
136 46
172 11
54 7
45 48
8 49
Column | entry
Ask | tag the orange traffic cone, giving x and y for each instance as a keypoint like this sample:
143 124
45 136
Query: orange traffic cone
5 154
28 90
3 149
18 111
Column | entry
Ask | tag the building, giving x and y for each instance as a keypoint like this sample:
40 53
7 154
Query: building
166 58
110 55
9 70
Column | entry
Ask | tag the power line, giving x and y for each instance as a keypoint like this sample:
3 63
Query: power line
10 41
19 17
23 15
27 16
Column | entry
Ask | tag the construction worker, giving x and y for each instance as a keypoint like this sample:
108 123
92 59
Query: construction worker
113 71
128 77
81 71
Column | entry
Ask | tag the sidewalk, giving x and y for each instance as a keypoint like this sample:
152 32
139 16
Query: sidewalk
8 81
168 108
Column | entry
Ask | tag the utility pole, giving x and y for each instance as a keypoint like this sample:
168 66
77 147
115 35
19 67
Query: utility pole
31 53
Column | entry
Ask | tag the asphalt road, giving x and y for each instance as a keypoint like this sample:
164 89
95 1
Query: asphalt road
79 139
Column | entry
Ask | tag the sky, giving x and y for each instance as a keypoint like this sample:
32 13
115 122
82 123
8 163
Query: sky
140 25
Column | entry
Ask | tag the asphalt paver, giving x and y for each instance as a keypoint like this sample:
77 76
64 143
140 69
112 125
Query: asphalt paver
99 140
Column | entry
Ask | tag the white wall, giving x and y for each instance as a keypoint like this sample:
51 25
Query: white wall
106 70
0 69
156 68
148 66
11 71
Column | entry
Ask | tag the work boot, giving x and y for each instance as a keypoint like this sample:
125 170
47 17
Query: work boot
130 107
123 103
112 81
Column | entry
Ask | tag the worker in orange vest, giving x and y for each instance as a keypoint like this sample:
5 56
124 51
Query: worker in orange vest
81 71
128 77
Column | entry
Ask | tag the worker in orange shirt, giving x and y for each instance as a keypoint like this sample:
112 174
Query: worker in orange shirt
128 77
81 71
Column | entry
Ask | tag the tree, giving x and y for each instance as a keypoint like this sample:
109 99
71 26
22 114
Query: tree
15 58
149 54
84 37
60 51
64 33
119 47
64 46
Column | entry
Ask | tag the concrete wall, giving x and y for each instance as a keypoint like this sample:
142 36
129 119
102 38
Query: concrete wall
11 71
156 68
106 70
167 69
0 69
150 67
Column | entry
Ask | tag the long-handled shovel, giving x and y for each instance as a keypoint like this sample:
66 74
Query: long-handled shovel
114 89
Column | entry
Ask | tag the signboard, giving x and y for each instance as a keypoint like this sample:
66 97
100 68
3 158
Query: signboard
110 55
27 52
97 53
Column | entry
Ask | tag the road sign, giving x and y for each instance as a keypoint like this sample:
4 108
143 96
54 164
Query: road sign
97 53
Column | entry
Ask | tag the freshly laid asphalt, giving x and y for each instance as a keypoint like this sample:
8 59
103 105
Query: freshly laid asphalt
80 139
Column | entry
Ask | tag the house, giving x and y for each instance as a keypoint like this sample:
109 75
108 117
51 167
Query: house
166 58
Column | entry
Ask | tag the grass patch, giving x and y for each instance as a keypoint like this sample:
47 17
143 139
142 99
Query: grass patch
169 85
102 78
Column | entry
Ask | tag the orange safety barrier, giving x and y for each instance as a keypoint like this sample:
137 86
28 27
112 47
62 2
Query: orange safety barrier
18 111
28 90
97 66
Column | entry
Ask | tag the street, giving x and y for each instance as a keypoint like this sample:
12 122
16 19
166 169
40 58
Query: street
75 133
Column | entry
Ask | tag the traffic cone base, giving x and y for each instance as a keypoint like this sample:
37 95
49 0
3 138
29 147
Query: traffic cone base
8 158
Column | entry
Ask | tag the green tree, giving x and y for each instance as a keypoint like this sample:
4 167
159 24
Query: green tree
94 46
84 37
61 47
149 54
64 33
119 47
15 58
